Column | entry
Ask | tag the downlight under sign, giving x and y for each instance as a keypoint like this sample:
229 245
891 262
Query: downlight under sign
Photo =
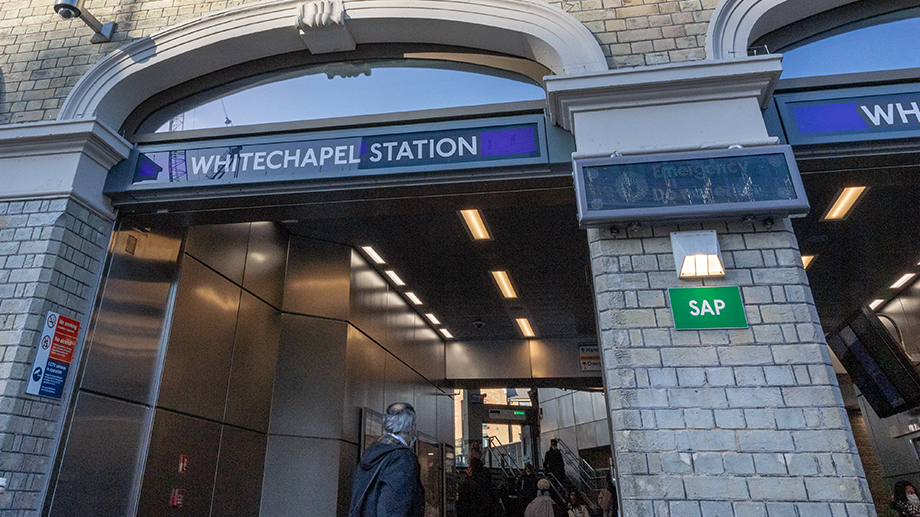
701 308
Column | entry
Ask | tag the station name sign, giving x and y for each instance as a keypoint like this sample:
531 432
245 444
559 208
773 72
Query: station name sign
689 186
700 308
868 113
362 154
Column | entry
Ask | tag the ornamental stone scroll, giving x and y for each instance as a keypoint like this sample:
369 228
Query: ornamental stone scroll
322 26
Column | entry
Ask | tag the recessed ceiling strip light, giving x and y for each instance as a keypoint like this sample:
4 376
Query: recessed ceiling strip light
446 333
475 224
431 317
395 278
903 280
526 329
843 204
413 298
504 284
372 253
875 303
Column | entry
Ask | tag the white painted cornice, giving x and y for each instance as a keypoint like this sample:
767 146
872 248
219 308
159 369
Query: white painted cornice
88 137
531 29
674 83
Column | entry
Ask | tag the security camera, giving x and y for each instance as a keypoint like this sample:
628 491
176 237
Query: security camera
478 323
69 8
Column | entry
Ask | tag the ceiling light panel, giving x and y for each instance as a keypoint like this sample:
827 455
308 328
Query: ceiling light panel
807 260
903 280
843 205
373 255
431 317
413 298
395 278
504 284
875 303
524 325
446 333
475 225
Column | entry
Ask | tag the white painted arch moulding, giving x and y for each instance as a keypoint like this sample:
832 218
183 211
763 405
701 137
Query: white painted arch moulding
737 23
531 29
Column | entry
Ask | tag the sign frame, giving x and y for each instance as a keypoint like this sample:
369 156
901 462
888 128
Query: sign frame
679 321
590 218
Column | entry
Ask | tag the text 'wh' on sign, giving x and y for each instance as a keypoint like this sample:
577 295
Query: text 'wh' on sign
697 308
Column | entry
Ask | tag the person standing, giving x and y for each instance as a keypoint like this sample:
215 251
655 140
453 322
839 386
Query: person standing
906 502
553 462
542 505
475 496
607 499
386 481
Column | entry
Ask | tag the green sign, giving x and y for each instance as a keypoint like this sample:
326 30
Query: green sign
697 308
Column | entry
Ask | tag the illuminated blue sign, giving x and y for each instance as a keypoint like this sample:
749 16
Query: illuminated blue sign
244 162
851 114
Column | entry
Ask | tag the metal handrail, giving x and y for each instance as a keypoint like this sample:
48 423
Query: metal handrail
510 469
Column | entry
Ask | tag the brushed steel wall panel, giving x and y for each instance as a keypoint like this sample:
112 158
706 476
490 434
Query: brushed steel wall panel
349 457
173 436
122 354
238 485
309 390
429 354
220 246
488 360
368 298
197 365
265 262
301 477
318 278
100 466
584 406
426 407
446 420
400 382
252 374
557 358
365 360
400 331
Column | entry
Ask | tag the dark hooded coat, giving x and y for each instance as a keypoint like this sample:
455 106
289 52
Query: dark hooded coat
387 482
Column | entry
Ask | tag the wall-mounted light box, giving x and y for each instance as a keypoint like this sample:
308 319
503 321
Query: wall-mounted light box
698 185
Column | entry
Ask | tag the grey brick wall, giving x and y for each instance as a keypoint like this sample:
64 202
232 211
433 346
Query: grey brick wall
42 56
51 252
737 423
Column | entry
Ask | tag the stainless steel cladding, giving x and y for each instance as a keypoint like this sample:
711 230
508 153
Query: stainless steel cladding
252 374
265 262
317 281
123 353
238 484
100 468
181 464
197 367
301 476
220 246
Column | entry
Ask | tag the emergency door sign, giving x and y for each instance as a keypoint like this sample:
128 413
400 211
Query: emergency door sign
55 353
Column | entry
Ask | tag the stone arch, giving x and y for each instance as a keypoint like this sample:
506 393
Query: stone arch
530 29
737 23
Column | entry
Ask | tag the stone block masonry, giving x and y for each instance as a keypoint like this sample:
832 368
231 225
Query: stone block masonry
42 56
733 423
51 252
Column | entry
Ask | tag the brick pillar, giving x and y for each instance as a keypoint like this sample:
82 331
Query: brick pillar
51 252
722 422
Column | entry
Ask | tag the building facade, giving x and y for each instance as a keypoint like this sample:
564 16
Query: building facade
738 422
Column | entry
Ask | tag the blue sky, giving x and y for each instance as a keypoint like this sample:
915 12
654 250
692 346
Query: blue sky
888 46
883 47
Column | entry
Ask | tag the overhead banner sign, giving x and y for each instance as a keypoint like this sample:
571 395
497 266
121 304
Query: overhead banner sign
55 353
699 308
852 114
688 186
310 156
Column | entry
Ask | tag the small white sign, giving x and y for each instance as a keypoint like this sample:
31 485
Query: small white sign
590 358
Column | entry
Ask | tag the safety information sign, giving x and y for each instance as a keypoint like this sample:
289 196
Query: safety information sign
590 358
55 353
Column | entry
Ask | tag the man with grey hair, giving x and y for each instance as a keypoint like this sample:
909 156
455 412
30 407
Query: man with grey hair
387 482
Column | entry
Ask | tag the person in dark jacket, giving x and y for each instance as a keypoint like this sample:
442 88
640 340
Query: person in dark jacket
475 495
387 482
553 462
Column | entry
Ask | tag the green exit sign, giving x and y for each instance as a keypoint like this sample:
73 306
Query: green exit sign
698 308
